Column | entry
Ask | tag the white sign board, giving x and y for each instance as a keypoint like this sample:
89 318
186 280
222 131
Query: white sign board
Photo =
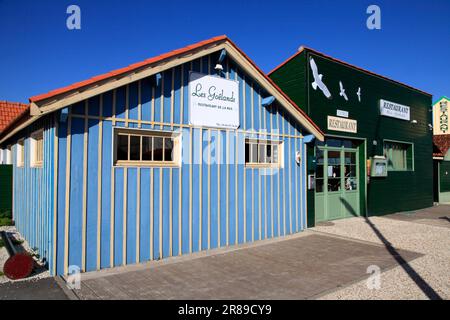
342 113
213 101
342 124
394 110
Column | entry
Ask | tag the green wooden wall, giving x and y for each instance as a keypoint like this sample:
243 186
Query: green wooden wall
400 191
444 176
5 189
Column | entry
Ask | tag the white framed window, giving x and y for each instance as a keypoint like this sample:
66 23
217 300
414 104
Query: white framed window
263 153
20 153
8 154
136 147
37 148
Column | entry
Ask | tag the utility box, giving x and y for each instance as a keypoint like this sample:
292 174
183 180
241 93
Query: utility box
379 167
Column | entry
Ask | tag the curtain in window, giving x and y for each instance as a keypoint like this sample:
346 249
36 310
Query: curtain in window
396 155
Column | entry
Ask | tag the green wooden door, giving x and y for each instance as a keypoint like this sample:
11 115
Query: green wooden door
337 183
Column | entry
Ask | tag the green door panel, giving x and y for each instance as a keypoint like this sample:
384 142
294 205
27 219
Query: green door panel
337 193
320 207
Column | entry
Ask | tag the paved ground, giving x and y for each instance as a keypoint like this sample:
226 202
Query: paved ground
438 216
426 231
298 268
326 262
41 289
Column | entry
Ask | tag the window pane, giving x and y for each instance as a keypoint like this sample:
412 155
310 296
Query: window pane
275 153
122 147
319 185
397 156
158 149
168 148
319 171
319 156
135 148
334 143
334 157
22 153
269 153
409 158
351 184
334 167
38 152
334 184
262 153
254 153
247 152
39 146
146 148
350 158
350 171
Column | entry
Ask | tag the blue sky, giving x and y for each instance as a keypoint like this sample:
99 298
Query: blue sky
38 53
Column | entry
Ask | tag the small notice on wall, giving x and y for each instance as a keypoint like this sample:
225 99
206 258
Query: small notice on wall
342 124
213 101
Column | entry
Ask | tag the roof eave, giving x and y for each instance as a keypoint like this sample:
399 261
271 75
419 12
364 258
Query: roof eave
71 96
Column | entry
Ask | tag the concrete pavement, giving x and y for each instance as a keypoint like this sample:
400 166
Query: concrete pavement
300 267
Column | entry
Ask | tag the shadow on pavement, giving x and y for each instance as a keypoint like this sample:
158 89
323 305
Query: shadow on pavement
445 218
420 282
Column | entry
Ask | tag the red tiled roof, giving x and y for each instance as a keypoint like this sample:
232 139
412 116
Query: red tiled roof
10 112
441 145
168 55
131 67
303 48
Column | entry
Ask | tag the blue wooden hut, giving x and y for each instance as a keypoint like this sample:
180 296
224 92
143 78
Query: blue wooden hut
192 150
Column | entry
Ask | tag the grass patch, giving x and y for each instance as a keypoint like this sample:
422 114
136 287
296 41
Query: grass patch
5 221
14 241
5 218
5 213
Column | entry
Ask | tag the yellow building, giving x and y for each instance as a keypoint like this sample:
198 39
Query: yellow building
441 150
441 124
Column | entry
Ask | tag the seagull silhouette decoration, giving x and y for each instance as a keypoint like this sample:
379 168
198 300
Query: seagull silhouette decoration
359 94
318 83
342 93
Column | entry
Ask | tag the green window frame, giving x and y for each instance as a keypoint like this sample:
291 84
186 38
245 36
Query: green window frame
399 155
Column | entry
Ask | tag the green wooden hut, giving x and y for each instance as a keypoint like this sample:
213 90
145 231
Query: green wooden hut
377 155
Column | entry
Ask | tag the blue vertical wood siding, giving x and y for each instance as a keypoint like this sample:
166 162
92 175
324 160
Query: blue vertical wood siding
131 215
33 192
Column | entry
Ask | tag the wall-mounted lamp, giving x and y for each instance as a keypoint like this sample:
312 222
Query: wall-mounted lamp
219 67
375 142
64 114
267 101
298 157
414 121
157 79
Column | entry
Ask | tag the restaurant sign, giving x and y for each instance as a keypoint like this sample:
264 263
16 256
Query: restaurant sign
342 124
213 101
394 110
